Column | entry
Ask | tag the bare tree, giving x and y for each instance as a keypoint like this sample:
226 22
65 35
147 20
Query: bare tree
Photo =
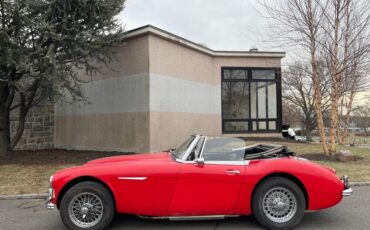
362 117
345 45
336 32
292 115
298 91
354 83
298 22
357 66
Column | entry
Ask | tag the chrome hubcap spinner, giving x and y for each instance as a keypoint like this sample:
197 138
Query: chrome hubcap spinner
85 210
279 205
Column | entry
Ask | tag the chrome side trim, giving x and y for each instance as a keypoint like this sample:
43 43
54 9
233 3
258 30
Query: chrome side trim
226 162
132 178
187 218
245 162
347 192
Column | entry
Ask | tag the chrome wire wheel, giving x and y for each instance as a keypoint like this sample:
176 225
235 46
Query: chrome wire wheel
279 205
85 210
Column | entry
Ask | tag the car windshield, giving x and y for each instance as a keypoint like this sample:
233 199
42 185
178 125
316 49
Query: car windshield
224 149
179 153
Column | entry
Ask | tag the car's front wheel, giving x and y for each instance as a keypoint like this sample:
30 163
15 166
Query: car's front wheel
87 205
278 203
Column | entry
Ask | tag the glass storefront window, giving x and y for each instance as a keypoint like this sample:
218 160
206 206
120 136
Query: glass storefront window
235 126
250 100
235 100
263 74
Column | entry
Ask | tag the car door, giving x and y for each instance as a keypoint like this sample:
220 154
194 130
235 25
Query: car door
210 188
146 188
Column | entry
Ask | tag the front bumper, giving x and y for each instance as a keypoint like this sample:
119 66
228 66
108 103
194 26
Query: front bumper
347 191
48 204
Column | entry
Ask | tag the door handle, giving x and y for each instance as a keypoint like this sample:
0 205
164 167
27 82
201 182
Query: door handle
232 172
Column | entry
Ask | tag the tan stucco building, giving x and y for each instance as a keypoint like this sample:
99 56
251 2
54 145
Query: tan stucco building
164 88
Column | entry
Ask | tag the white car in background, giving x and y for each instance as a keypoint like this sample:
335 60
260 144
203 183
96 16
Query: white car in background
300 138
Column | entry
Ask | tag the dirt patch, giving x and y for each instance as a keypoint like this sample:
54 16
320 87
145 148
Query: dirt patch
29 171
56 157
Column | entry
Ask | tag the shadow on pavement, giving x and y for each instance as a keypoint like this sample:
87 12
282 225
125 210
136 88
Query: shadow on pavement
134 222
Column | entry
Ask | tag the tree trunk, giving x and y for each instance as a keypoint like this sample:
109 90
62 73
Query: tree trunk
333 125
4 132
316 81
25 105
340 121
308 130
21 121
320 124
317 99
5 149
335 82
341 137
334 112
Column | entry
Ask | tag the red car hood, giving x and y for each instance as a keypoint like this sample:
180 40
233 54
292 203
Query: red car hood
143 157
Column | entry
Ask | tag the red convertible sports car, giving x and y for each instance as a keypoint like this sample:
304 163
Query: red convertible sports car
205 178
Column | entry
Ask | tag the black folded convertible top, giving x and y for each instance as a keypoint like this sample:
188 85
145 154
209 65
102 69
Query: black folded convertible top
258 151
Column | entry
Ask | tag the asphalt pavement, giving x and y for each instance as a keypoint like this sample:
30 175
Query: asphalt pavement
352 213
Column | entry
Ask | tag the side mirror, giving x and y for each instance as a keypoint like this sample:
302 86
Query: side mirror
199 161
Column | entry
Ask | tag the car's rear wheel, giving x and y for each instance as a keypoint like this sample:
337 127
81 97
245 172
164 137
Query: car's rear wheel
278 203
87 205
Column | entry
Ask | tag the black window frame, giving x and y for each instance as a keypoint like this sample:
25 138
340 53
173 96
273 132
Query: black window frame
250 120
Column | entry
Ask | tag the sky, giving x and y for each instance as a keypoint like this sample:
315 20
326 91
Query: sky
220 24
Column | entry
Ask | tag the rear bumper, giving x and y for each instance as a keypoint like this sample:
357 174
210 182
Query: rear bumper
347 191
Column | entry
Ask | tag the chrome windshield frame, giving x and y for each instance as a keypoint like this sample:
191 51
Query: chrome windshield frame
190 148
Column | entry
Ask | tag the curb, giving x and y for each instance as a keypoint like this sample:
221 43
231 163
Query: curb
44 195
357 184
25 196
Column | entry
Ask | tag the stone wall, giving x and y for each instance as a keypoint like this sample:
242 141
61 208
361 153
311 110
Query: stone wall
39 128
